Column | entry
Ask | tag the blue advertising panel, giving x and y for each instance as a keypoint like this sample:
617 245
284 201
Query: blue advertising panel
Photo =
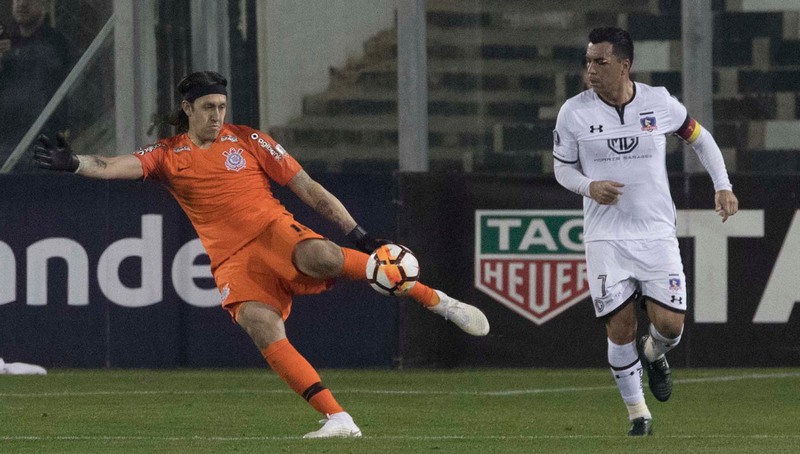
111 274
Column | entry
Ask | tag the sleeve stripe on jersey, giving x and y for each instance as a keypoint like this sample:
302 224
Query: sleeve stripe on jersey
565 161
689 130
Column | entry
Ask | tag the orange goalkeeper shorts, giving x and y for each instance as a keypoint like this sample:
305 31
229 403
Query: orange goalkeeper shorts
262 270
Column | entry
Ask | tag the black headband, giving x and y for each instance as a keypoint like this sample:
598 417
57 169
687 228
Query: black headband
203 90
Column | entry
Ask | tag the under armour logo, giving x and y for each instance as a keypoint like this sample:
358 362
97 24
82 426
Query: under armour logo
679 299
599 128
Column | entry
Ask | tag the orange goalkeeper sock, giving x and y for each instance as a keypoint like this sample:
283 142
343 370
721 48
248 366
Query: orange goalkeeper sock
355 267
355 264
301 376
423 294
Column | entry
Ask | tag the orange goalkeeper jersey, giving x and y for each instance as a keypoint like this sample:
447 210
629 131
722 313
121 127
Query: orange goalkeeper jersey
224 189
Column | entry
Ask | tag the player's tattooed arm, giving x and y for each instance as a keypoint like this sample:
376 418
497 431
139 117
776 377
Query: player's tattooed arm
322 201
59 156
125 167
329 207
92 162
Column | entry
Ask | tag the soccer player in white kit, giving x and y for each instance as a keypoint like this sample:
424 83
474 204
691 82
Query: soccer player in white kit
609 146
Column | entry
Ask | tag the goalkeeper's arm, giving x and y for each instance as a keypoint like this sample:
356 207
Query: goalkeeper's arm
327 205
61 157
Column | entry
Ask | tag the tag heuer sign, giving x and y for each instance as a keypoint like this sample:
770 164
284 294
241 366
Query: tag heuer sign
531 261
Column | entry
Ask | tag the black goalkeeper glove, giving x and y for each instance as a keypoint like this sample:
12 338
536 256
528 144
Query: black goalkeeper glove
58 157
364 241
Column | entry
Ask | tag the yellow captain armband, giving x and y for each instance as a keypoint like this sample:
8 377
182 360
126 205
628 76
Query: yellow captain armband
690 130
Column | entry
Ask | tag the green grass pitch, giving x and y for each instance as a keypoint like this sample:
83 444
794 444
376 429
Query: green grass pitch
417 411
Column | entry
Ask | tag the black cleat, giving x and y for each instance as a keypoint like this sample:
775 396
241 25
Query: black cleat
641 427
659 375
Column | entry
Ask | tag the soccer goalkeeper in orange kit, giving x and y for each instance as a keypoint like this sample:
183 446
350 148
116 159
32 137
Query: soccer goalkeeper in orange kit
260 255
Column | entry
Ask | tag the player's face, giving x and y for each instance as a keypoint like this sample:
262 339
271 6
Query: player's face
604 70
206 115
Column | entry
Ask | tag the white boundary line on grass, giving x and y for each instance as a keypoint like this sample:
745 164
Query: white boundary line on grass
567 389
400 437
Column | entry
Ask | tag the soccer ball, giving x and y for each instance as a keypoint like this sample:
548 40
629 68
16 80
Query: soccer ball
392 270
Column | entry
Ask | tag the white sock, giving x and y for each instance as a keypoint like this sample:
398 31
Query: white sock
627 372
439 308
341 416
638 410
657 344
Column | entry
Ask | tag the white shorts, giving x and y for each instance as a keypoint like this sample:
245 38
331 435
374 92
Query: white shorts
618 269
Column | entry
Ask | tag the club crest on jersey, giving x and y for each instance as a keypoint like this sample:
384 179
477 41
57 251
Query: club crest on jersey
183 148
228 138
531 261
599 305
675 284
648 123
234 160
147 149
223 294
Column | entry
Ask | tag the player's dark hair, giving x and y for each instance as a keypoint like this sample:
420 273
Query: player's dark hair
196 82
621 42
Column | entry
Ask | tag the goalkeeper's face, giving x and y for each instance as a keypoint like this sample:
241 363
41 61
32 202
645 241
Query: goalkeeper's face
206 115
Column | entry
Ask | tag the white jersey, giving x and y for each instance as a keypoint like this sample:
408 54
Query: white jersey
628 145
